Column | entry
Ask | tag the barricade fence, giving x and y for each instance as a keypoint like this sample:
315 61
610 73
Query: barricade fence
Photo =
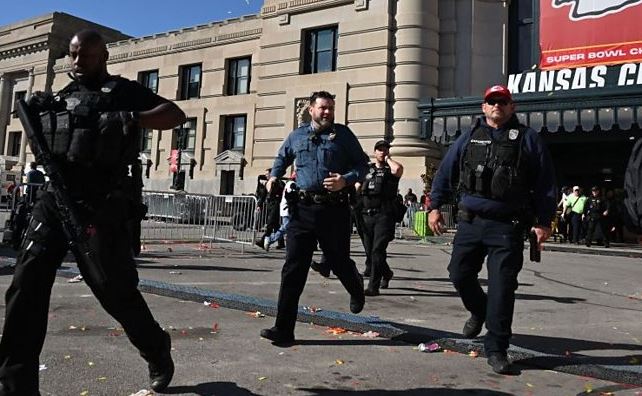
180 216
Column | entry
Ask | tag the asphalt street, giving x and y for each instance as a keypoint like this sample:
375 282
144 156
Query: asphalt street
578 329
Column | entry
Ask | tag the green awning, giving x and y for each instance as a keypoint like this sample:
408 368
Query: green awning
443 119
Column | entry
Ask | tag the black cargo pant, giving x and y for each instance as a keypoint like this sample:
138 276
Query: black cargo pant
27 299
378 231
503 245
329 224
601 222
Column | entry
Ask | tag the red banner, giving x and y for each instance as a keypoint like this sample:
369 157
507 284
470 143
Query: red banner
577 33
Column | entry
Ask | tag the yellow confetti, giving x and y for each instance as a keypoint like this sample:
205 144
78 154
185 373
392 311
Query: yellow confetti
588 388
101 378
67 357
339 361
529 385
262 378
84 393
90 363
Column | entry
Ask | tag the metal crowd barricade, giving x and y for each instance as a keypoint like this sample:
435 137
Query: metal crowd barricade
174 216
408 226
234 218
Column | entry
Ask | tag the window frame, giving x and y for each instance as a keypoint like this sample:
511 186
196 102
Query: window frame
186 76
310 51
233 78
190 138
520 58
144 79
229 135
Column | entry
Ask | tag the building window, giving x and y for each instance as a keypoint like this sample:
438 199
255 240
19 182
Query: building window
234 134
18 96
149 79
523 37
190 77
184 137
227 182
238 76
13 148
146 140
320 50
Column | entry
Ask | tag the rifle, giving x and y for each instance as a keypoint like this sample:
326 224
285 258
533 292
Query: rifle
74 230
535 254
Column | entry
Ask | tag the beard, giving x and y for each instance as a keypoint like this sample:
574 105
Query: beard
323 123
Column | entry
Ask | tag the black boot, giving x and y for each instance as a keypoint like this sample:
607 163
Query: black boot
161 368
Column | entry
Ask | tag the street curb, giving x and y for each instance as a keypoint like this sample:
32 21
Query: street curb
623 372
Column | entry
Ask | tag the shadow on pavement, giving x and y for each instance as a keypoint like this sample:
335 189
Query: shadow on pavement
407 392
210 388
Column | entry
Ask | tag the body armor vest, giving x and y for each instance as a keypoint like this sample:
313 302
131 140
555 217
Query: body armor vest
379 186
596 206
495 168
89 138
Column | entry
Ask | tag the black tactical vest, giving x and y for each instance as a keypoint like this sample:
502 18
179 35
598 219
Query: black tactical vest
379 186
495 168
88 139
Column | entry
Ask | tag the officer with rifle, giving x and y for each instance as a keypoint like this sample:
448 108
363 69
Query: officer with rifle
86 138
504 173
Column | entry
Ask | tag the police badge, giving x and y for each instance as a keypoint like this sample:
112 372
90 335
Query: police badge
512 134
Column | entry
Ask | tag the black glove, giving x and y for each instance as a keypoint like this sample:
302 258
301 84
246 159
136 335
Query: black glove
44 101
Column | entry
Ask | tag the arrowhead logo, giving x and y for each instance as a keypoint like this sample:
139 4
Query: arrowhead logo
587 9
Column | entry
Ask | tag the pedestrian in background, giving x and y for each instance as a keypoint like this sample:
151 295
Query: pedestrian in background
328 159
379 192
576 203
597 213
494 214
288 200
35 179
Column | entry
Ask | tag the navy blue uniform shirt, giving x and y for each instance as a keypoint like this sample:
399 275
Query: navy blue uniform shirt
539 162
335 149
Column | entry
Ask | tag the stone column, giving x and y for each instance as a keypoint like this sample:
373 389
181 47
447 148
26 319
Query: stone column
4 113
23 137
415 73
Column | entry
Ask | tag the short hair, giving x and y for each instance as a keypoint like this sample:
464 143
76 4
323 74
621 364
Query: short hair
33 165
89 36
322 95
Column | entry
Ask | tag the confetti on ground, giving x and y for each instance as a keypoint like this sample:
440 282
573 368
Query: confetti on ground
432 347
211 304
339 361
336 330
42 367
175 273
529 385
262 378
473 354
588 388
67 357
101 378
312 309
90 364
634 360
370 334
72 327
257 314
75 279
84 393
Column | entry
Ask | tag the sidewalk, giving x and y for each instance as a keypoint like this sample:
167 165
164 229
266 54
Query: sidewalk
575 313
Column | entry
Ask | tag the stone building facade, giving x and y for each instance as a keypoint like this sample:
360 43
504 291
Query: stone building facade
243 82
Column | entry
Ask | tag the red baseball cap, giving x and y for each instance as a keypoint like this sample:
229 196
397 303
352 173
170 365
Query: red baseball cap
498 90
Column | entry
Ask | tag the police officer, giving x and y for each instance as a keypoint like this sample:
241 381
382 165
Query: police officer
328 159
504 172
379 192
94 154
597 212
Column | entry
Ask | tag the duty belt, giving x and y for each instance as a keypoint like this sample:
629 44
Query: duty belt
323 198
371 211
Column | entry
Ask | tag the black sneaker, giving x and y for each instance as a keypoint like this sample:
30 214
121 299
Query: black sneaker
259 243
371 292
472 327
385 281
322 269
499 362
357 303
277 336
161 371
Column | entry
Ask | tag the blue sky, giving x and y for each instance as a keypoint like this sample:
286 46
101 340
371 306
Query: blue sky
133 17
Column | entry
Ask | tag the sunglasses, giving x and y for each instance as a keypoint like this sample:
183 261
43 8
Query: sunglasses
493 102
